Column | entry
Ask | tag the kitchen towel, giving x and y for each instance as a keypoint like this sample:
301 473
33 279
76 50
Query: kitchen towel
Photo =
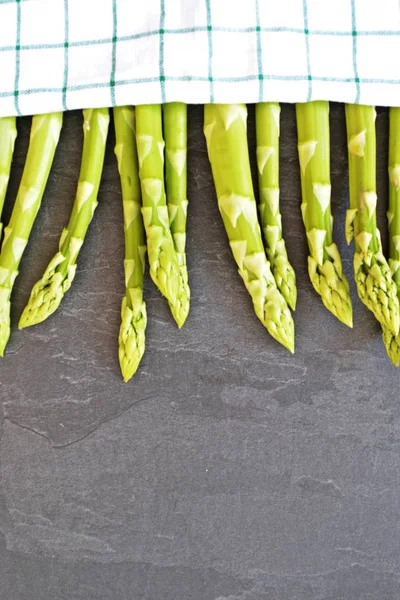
69 54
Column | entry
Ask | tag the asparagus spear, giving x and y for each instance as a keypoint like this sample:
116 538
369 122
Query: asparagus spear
392 342
45 132
225 132
324 262
375 285
164 266
175 134
8 133
133 310
267 131
48 292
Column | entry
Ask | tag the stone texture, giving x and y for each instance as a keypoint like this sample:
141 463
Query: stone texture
227 469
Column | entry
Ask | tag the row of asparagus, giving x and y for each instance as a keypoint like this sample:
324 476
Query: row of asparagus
151 150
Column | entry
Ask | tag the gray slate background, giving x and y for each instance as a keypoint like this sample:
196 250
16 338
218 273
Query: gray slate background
228 469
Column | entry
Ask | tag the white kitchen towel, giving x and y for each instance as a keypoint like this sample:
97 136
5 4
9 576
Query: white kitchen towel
68 54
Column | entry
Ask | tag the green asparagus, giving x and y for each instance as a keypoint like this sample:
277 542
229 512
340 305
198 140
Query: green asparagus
392 342
8 134
267 131
133 310
225 132
45 132
48 292
163 259
324 262
175 134
375 285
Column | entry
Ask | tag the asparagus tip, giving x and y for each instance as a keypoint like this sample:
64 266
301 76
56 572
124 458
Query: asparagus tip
287 343
392 345
179 314
180 308
47 293
284 335
285 278
5 328
39 309
290 295
131 339
332 285
4 337
342 309
347 319
376 289
292 301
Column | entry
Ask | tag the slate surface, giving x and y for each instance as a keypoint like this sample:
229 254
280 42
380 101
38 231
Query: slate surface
227 470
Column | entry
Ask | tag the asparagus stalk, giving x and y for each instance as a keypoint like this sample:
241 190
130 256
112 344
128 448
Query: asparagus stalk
375 285
324 262
267 132
133 310
225 132
392 342
45 132
175 134
8 134
48 292
163 259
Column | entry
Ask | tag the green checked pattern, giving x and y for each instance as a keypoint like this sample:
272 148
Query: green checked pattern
54 56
